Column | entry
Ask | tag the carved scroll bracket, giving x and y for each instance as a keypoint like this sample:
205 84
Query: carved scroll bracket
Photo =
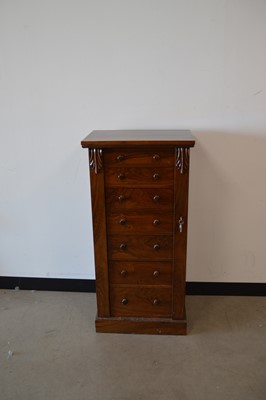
182 159
96 160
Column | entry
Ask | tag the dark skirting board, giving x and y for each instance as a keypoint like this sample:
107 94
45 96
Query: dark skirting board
88 285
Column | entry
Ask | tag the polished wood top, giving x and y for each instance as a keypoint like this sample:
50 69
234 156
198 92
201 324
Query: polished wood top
113 138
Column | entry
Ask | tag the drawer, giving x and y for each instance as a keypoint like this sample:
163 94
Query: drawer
137 157
150 221
139 198
140 273
128 176
129 247
140 302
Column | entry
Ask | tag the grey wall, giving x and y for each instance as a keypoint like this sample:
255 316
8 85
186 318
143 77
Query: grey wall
68 67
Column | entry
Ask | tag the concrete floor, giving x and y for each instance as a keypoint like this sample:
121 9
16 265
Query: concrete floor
57 354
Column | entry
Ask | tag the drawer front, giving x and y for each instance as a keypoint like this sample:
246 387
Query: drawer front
140 302
153 222
128 176
136 157
140 273
139 198
127 247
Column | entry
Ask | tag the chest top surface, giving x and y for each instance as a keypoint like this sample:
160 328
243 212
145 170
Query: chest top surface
128 138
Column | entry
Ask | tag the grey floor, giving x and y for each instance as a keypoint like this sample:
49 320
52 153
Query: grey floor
56 353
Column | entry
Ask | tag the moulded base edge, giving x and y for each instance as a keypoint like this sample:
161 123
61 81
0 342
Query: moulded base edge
149 326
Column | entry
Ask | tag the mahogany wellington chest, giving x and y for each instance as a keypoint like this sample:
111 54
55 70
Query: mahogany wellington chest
139 194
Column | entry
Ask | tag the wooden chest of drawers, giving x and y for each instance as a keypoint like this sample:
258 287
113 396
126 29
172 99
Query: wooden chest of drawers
139 194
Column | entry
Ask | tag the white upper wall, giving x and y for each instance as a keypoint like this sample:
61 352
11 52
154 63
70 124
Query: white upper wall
68 67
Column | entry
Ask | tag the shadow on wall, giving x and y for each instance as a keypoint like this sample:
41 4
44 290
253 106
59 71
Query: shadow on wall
227 208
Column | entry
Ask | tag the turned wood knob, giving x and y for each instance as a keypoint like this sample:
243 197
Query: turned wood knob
123 272
156 157
156 176
120 157
123 246
156 302
156 273
122 221
121 177
124 302
156 197
156 222
121 198
156 246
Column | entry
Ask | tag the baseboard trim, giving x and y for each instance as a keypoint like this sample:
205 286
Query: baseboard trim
49 284
226 289
88 285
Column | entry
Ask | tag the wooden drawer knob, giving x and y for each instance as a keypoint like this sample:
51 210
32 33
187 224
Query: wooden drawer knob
156 273
122 221
124 302
156 197
156 176
156 302
156 247
121 177
156 222
123 246
120 157
156 157
123 273
121 198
